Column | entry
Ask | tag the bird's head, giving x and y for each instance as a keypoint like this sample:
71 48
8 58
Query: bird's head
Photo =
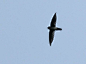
48 27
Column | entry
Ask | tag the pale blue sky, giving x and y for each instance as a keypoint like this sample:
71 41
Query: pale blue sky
24 34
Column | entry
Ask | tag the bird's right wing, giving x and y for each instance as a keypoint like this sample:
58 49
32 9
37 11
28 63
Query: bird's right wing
53 21
51 36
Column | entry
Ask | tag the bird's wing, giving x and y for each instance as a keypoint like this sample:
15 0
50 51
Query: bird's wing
53 21
51 36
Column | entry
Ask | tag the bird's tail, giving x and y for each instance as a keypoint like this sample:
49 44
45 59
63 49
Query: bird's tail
59 29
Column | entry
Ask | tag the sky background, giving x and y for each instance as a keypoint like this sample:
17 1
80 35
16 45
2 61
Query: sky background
24 37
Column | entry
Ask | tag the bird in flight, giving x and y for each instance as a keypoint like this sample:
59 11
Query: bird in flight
52 28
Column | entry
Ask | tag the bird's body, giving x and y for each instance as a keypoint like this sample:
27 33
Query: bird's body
52 29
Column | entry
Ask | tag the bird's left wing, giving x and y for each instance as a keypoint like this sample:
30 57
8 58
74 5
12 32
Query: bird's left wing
53 21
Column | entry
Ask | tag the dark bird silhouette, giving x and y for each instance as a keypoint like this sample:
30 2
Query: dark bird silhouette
52 29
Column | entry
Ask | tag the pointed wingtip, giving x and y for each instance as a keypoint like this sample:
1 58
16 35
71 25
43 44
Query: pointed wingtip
50 44
55 14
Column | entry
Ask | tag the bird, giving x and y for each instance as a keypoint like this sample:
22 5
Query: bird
52 28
